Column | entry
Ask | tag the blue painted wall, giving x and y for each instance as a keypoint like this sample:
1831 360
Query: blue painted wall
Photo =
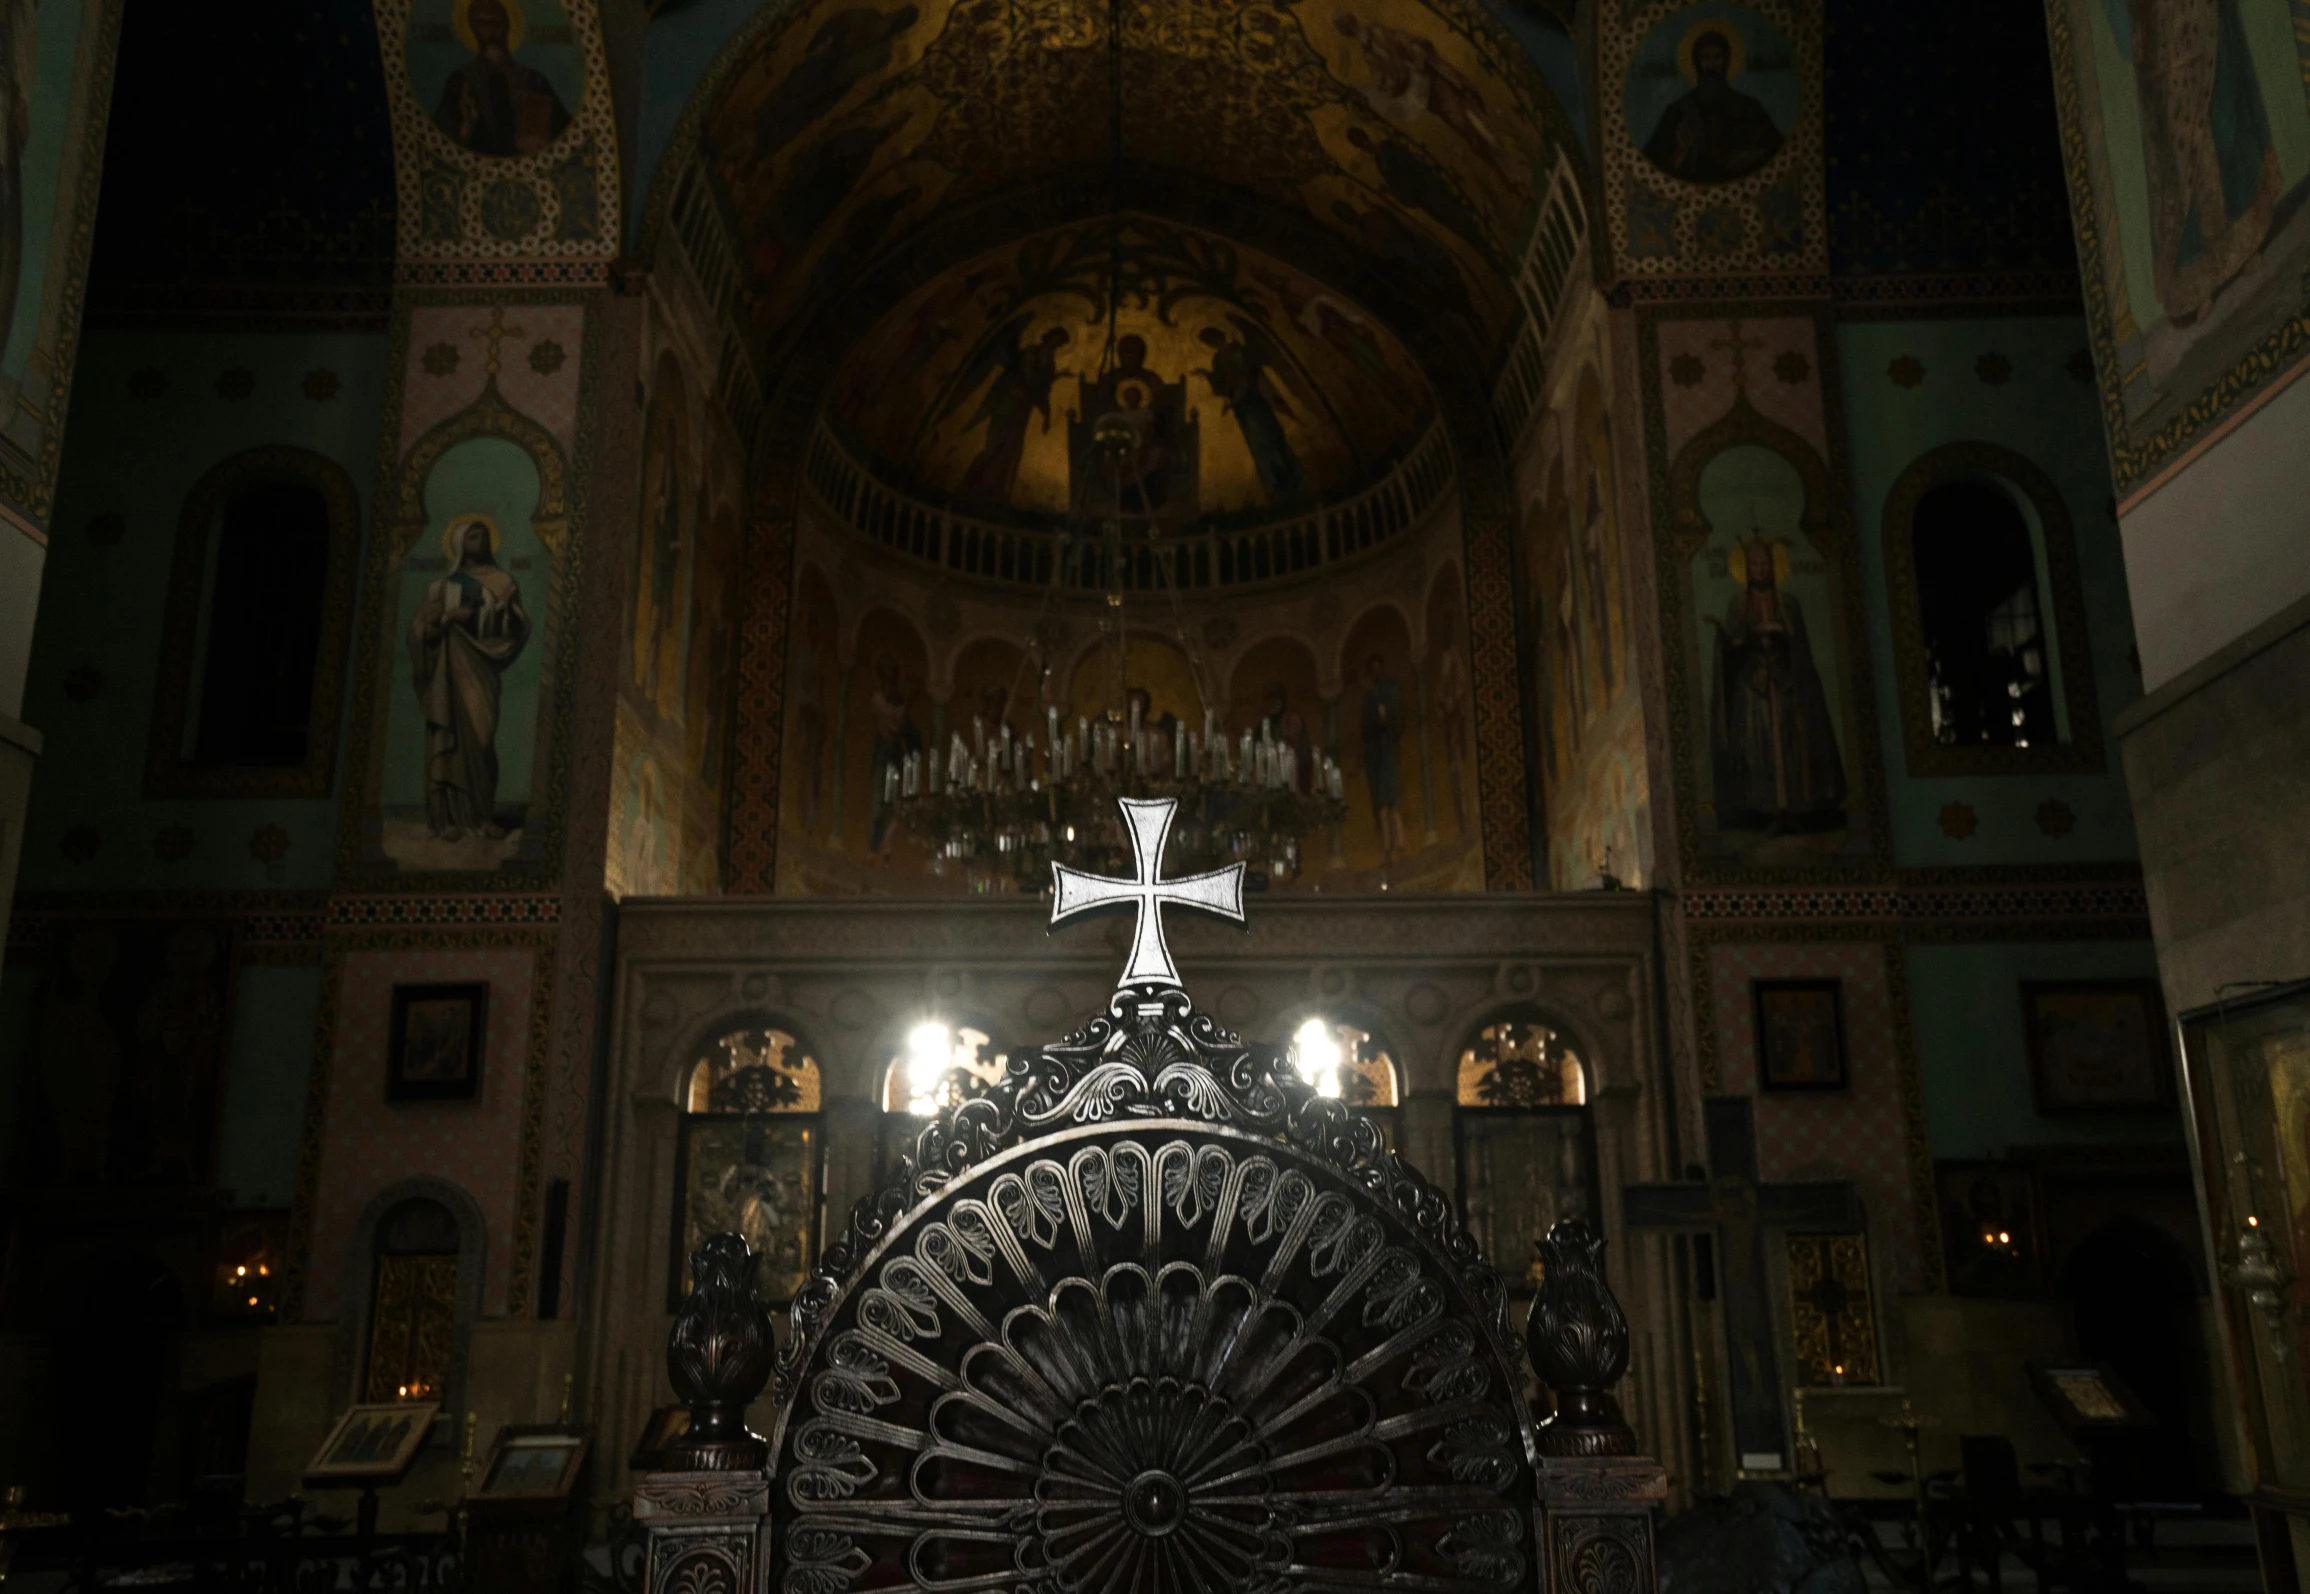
102 606
2041 410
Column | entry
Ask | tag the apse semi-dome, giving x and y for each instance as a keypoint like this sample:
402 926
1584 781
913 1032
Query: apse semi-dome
1248 387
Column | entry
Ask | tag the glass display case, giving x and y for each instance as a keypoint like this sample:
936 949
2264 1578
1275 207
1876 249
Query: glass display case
2246 1065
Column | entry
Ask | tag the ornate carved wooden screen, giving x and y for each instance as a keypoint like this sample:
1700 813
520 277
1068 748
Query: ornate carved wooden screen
1151 1315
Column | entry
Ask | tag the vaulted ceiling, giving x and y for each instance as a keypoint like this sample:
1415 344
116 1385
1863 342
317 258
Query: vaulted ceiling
1409 131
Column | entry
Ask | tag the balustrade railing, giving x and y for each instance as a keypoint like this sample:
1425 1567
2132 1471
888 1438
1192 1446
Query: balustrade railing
1200 558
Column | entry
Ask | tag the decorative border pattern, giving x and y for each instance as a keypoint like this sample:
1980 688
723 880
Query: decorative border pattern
1828 512
1744 289
522 1262
271 927
1800 163
361 912
1915 295
1968 905
166 773
460 206
2082 753
559 520
2134 459
1504 803
756 787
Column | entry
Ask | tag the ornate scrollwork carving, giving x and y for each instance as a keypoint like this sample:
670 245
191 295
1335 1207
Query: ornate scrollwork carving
1150 1056
1147 1353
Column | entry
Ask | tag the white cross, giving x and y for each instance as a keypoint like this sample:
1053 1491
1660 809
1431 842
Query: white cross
1219 892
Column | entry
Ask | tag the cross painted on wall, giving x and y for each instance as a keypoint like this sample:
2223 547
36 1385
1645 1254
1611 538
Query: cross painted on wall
496 332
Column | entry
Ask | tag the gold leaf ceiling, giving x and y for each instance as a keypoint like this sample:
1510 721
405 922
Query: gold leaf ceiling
1250 385
1411 130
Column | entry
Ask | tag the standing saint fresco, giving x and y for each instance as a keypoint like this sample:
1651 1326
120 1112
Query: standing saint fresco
1023 373
1772 744
468 631
1383 740
494 105
2213 170
1242 378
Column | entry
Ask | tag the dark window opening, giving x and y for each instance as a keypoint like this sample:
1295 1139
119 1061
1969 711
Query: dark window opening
1988 676
264 627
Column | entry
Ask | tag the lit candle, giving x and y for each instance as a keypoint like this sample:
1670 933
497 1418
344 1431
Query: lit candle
1052 711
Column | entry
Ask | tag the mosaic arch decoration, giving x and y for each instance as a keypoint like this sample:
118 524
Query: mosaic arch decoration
1251 385
505 146
1412 130
2186 136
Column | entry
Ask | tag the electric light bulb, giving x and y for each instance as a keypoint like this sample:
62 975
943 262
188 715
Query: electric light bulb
929 1054
1316 1055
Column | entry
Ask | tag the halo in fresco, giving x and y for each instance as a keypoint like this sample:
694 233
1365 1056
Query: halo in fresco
497 77
1248 385
1711 93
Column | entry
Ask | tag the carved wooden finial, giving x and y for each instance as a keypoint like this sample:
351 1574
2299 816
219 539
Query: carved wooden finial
1578 1337
720 1356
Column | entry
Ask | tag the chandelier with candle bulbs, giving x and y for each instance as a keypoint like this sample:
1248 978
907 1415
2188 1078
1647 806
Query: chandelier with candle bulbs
1000 805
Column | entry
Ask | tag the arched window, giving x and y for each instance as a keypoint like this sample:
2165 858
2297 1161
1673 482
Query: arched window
752 1157
253 650
1350 1063
1988 618
1526 1145
939 1064
1988 671
412 1304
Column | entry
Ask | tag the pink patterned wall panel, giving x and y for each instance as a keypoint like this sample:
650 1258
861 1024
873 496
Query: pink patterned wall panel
1780 365
367 1144
1854 1133
448 365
